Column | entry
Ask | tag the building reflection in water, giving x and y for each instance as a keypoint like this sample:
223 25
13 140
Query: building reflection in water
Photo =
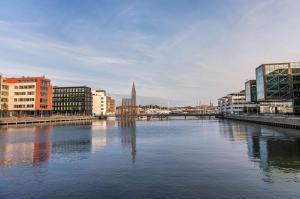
99 137
276 153
128 135
25 145
36 145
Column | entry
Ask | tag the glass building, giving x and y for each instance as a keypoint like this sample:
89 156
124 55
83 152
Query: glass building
296 86
250 91
279 82
72 100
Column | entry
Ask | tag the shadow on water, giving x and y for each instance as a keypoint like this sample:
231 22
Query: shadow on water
275 150
128 135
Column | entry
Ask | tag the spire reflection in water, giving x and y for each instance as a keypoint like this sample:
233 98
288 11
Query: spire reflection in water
128 134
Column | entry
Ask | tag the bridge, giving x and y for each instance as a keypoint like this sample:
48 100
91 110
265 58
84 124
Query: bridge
174 115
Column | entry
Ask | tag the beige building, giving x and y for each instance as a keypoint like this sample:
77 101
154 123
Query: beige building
4 93
110 105
22 96
99 102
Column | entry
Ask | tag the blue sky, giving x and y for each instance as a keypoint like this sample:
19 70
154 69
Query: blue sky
181 50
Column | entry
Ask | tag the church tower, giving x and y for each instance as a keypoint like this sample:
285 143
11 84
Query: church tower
133 95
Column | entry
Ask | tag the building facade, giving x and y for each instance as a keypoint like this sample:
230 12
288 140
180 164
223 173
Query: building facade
4 93
129 107
111 105
279 83
99 102
250 91
29 96
235 103
76 100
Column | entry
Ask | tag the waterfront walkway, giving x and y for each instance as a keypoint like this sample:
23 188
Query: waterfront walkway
36 120
280 121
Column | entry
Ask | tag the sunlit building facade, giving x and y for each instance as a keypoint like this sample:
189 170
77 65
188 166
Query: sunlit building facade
235 103
29 96
4 89
99 102
111 105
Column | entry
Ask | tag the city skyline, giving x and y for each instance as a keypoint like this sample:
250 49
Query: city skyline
203 49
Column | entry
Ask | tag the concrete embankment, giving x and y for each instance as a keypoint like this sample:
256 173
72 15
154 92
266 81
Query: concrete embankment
280 121
38 120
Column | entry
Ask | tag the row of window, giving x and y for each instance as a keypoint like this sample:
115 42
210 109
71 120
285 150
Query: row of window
4 93
64 90
24 106
25 81
23 99
71 100
5 87
43 106
70 104
71 95
25 87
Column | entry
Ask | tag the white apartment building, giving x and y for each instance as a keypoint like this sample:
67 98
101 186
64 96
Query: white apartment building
99 102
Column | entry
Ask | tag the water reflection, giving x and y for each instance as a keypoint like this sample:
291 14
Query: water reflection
36 145
128 135
276 151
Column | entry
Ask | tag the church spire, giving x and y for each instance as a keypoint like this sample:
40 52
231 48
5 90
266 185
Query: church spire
133 94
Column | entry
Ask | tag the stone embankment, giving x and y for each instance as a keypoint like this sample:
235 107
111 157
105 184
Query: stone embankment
280 121
38 120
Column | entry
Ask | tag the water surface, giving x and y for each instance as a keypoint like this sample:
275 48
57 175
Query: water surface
154 159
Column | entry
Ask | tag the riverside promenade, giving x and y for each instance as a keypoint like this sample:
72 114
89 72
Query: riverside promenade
38 120
280 121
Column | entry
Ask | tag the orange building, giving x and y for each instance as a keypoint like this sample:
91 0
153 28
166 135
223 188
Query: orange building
30 95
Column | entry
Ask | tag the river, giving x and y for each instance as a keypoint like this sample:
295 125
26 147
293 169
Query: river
149 159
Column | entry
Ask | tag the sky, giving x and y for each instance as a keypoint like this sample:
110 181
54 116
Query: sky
178 51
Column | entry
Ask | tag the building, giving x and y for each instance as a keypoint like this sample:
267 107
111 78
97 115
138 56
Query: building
75 100
235 103
250 91
130 101
29 96
111 105
99 102
129 107
277 86
4 89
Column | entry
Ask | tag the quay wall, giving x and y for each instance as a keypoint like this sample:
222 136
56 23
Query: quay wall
280 121
38 120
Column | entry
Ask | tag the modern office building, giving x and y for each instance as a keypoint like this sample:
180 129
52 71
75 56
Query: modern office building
250 91
111 105
296 86
235 103
278 86
29 96
99 102
75 100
